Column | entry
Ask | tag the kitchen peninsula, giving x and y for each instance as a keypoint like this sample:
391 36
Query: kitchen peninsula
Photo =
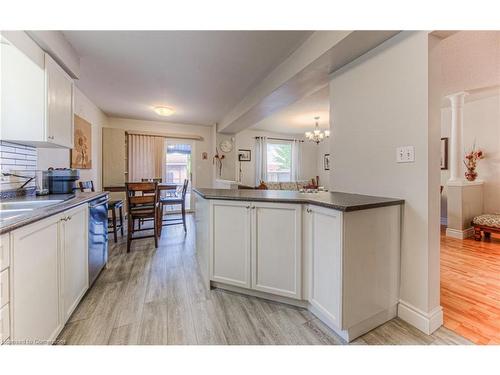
336 254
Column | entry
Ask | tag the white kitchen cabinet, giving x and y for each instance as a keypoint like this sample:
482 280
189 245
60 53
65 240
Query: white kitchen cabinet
36 97
74 250
23 98
230 232
325 262
35 281
4 324
277 248
59 104
249 240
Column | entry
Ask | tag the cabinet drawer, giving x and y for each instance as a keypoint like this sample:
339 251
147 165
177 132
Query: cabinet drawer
4 324
4 287
4 252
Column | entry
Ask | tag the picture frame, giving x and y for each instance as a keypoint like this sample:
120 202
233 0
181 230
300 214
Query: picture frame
81 153
326 162
244 155
444 153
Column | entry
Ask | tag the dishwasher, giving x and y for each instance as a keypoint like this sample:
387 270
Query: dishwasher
98 237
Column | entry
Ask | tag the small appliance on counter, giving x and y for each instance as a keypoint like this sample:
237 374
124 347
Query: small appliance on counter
62 180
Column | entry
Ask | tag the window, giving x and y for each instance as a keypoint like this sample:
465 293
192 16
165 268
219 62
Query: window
279 161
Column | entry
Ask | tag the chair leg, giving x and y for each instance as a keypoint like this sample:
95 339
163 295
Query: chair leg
121 220
130 227
183 209
160 219
155 229
477 234
113 218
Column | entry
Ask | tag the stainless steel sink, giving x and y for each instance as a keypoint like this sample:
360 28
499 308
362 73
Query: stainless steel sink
27 205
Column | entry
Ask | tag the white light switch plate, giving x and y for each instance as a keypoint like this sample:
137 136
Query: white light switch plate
405 154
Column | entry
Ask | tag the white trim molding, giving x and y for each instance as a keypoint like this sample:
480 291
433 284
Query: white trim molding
426 322
460 234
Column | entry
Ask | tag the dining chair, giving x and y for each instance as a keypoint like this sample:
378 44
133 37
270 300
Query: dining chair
113 205
141 204
178 199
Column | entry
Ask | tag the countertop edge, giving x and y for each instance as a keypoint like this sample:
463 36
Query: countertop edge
51 211
350 208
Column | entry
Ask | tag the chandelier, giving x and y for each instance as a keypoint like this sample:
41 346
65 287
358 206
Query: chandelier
317 135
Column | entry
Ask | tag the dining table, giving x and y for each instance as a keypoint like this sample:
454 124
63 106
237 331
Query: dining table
162 186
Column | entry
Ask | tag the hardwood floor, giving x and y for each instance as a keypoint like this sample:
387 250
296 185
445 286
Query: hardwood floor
157 297
470 287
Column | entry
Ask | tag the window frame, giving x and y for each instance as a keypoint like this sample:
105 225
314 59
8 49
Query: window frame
279 142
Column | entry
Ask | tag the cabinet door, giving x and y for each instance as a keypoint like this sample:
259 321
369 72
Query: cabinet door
230 253
75 280
325 236
22 98
59 119
35 281
277 249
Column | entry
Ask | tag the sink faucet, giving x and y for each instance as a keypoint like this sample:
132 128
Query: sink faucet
28 178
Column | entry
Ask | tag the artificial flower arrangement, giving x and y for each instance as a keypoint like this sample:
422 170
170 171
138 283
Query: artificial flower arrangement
470 161
218 158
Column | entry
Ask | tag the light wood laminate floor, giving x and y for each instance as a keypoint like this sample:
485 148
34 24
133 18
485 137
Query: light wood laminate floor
470 287
157 297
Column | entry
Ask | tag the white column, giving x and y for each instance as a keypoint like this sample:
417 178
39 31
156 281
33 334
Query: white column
456 140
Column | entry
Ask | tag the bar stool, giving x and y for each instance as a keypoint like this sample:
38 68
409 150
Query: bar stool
112 206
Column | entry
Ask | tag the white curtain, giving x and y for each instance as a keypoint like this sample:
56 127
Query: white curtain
146 157
260 160
296 159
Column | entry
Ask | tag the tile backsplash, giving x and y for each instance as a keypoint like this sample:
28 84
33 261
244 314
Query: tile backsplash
19 159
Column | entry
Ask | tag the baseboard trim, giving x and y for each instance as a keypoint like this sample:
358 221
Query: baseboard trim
258 293
359 329
426 322
460 234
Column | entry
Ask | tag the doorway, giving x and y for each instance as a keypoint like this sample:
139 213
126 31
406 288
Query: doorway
179 165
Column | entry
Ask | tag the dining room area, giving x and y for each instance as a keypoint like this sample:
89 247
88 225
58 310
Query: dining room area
150 176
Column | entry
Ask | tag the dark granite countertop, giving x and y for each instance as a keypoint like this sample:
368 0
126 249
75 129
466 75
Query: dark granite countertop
335 200
68 201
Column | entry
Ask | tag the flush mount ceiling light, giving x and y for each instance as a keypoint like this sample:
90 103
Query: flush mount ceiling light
163 111
317 135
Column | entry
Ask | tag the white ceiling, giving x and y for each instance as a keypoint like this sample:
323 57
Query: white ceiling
299 117
201 74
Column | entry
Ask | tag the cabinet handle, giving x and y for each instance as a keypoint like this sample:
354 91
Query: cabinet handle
308 210
253 207
50 137
247 207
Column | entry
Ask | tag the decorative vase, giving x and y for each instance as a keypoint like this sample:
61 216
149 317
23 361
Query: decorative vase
471 174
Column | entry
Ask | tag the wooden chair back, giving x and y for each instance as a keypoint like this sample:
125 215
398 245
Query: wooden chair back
86 186
184 188
142 194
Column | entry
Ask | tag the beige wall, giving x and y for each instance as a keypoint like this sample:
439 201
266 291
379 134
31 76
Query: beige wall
60 158
379 102
204 168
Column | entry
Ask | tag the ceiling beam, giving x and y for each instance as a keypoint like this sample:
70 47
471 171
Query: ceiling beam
304 72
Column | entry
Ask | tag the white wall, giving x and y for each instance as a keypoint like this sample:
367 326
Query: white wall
246 140
204 168
324 176
482 125
377 103
60 158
